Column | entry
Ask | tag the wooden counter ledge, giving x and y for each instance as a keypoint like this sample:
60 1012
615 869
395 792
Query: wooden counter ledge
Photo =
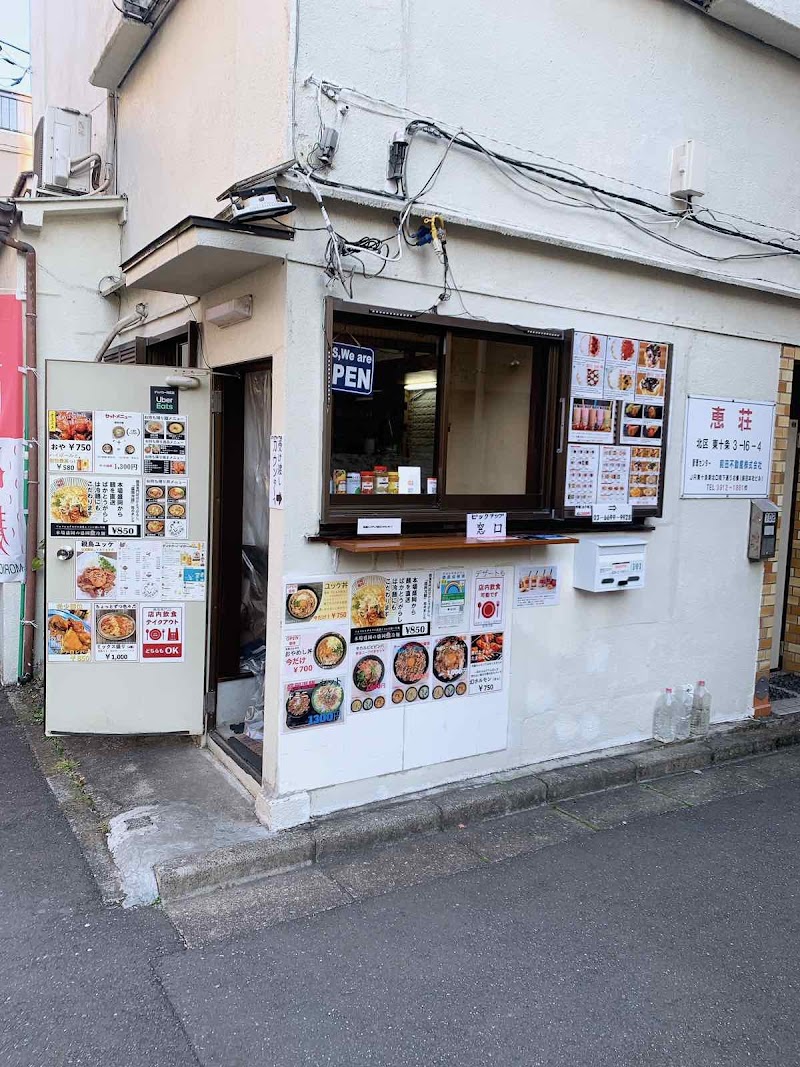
436 542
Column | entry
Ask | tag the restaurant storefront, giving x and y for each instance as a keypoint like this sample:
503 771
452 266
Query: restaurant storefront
397 548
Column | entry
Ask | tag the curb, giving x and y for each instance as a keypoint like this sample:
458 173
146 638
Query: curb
457 806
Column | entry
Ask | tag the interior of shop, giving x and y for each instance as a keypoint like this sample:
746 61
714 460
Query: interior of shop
242 422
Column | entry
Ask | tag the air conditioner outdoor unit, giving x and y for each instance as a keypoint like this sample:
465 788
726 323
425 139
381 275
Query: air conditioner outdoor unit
63 156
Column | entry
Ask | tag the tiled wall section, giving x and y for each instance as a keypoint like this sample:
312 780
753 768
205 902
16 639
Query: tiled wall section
791 651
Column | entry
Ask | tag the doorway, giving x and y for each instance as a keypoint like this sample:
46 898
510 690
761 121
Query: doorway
242 416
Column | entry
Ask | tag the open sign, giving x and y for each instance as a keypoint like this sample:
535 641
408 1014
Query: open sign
352 369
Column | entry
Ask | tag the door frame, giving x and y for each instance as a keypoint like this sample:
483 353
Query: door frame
218 467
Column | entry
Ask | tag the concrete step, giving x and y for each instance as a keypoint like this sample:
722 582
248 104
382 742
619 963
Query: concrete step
444 809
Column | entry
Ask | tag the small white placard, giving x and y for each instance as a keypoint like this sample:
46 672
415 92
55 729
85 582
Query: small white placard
486 524
276 470
410 480
379 526
612 513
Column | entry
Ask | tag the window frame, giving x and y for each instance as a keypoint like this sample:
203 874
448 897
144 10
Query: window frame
444 511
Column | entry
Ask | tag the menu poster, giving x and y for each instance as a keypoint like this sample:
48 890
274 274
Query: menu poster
411 670
488 598
118 442
645 475
70 442
450 599
536 587
183 570
614 474
371 674
622 350
117 570
581 476
309 651
166 507
651 371
486 663
162 633
316 600
619 380
115 636
95 506
641 422
592 420
587 376
313 702
165 444
394 606
450 666
69 632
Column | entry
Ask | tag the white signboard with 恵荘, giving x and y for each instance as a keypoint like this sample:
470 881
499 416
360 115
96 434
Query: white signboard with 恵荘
728 447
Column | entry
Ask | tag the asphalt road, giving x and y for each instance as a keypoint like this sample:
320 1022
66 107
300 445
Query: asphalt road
669 939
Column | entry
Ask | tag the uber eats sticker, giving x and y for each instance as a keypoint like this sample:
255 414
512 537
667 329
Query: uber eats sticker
352 369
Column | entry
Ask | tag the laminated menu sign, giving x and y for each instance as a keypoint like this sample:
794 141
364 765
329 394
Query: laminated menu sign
69 632
619 375
592 420
70 441
371 674
311 601
486 663
394 606
115 636
308 651
183 570
581 477
651 371
450 666
117 570
588 363
450 599
614 474
166 507
117 442
162 633
97 506
488 598
645 475
165 444
536 586
314 702
641 422
411 667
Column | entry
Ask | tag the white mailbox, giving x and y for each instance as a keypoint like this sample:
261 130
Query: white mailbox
603 564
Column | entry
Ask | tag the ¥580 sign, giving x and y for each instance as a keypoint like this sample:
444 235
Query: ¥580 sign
352 369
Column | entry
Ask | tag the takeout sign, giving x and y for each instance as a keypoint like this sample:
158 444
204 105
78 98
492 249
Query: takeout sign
352 369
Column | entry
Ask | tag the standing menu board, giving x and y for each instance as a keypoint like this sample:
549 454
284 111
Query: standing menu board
615 396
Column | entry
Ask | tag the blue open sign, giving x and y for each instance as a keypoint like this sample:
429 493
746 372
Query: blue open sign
352 369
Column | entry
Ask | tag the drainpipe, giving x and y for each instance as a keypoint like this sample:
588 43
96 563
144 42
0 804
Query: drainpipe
32 434
135 317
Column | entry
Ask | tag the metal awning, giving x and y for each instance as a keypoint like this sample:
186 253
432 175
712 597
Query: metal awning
199 255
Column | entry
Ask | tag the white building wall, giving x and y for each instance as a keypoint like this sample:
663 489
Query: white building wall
584 675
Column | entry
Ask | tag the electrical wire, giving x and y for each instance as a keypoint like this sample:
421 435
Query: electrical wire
397 109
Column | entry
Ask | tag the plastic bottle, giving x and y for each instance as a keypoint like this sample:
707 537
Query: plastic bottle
664 717
683 712
701 711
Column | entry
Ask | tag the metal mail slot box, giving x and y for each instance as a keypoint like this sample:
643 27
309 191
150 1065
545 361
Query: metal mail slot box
603 565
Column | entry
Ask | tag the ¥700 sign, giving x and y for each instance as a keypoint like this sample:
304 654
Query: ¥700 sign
352 369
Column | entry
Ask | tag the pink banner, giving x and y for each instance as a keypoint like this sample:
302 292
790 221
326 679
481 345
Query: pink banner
11 359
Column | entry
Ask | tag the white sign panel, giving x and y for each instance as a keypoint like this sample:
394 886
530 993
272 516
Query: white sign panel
276 470
727 447
486 524
379 526
12 520
612 513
